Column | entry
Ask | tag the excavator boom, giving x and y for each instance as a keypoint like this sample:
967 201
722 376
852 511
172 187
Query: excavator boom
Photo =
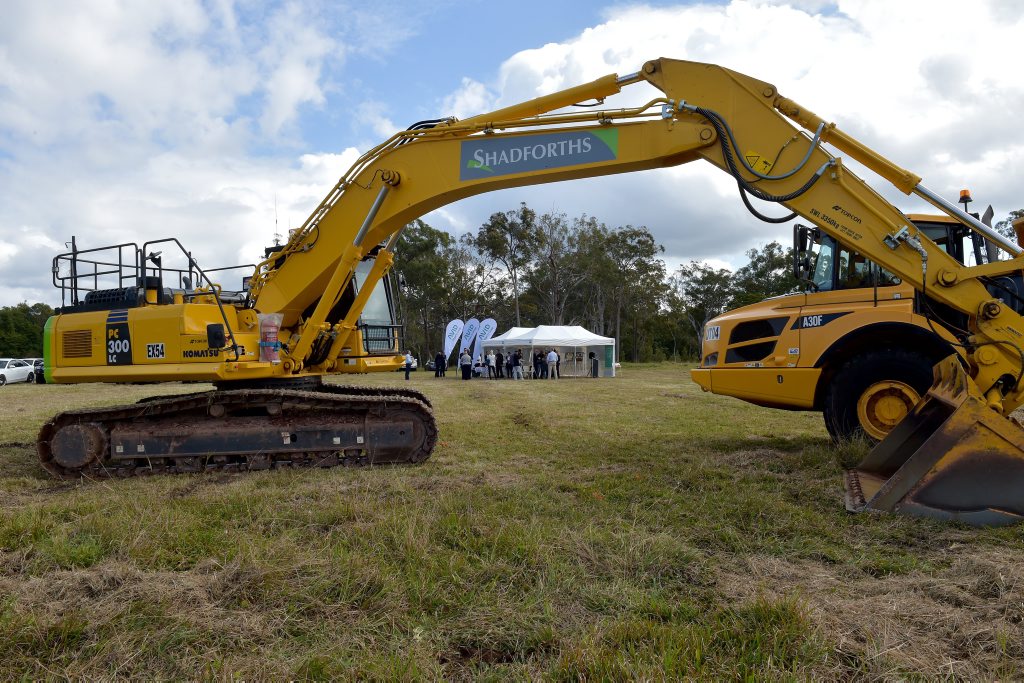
737 123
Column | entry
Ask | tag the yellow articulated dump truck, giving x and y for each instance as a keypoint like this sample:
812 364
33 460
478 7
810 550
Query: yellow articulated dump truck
858 345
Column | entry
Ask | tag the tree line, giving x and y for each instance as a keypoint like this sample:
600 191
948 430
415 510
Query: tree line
525 269
21 330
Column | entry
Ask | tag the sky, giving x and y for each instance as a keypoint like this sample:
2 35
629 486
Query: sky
225 121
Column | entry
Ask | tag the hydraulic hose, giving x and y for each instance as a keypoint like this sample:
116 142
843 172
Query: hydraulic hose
728 142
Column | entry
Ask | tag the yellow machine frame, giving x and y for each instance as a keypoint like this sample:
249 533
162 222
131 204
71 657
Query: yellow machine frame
706 112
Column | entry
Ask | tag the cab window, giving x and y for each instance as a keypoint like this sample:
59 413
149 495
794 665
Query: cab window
823 260
836 267
378 308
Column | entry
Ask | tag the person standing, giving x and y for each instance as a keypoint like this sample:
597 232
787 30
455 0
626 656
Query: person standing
499 364
508 364
439 364
517 364
492 372
408 363
593 364
466 363
552 364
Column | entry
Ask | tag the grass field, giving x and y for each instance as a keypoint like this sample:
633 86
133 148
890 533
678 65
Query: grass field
578 529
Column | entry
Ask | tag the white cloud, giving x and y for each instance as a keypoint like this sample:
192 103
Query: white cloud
222 209
373 114
164 72
142 66
919 81
471 98
293 57
132 121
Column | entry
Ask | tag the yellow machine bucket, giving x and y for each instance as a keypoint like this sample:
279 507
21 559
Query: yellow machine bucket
952 457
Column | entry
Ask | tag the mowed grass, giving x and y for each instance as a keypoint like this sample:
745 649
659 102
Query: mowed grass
575 529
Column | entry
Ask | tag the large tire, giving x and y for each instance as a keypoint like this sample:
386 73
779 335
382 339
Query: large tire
872 392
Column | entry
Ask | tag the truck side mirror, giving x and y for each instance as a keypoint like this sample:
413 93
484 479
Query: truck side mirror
803 238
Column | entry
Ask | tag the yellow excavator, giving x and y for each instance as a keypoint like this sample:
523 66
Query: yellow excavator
303 313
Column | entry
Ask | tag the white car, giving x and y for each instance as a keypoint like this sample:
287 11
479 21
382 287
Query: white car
37 370
15 370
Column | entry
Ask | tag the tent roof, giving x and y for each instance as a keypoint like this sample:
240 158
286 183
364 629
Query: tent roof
549 335
513 332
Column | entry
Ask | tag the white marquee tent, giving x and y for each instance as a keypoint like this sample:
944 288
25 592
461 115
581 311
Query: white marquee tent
573 343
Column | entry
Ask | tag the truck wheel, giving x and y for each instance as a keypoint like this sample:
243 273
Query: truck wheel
871 393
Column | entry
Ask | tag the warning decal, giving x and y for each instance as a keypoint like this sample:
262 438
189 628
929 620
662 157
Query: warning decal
758 162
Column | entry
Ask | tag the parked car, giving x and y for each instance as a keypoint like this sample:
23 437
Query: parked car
15 370
37 366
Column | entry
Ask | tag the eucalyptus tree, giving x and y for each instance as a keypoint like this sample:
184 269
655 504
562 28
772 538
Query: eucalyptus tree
557 271
510 238
702 292
636 272
597 269
768 273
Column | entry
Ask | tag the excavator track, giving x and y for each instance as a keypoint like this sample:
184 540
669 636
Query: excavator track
240 430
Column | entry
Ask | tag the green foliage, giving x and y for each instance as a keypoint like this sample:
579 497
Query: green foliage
523 269
440 278
769 273
1005 226
558 272
21 330
428 276
510 238
701 292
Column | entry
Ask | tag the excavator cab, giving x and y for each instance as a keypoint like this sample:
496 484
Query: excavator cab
379 325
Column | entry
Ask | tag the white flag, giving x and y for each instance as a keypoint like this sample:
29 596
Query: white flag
486 331
469 335
452 334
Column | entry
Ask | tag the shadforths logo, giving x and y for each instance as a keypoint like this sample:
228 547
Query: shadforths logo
487 158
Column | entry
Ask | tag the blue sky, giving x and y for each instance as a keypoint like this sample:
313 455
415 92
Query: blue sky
126 121
439 45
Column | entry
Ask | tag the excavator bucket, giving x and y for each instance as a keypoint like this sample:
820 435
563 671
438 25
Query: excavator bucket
952 457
